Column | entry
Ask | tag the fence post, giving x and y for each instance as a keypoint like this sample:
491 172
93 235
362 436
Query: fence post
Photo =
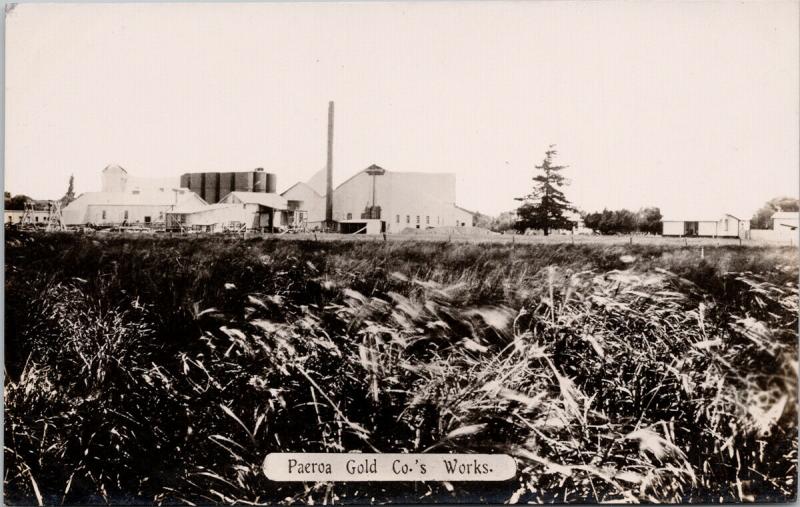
630 240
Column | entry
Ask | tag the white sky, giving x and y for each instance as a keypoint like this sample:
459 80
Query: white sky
691 106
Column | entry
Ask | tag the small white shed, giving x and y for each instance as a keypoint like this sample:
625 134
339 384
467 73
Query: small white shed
728 226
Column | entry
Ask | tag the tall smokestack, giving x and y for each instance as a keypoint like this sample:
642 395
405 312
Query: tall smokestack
329 171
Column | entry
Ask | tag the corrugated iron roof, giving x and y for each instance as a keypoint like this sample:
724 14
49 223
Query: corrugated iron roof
695 219
166 197
269 200
795 215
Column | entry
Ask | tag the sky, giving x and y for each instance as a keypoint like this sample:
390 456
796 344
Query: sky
689 106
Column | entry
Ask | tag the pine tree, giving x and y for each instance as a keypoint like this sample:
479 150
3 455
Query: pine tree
545 206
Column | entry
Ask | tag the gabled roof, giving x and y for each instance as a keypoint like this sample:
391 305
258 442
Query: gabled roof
302 184
473 213
166 197
268 200
793 215
695 219
359 172
189 208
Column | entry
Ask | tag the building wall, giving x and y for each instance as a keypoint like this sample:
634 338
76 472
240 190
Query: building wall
215 219
725 227
313 203
782 223
103 214
672 228
352 197
709 228
15 216
415 200
786 236
113 179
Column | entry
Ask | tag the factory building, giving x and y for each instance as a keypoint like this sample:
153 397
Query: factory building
238 211
133 207
396 200
214 186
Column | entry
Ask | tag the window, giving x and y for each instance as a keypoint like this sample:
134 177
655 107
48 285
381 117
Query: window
397 219
126 215
427 220
408 219
104 214
147 220
36 219
349 216
725 227
417 218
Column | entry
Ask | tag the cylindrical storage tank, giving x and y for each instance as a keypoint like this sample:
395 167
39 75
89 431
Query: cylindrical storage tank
271 183
185 180
259 181
211 194
196 184
243 182
226 184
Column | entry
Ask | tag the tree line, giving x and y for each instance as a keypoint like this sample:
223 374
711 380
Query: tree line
546 209
645 221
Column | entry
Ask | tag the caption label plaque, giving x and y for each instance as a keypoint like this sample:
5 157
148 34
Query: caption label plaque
351 467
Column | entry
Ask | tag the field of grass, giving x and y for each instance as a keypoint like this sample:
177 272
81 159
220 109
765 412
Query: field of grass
163 370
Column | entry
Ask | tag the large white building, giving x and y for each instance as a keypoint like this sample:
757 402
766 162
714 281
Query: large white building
145 207
400 200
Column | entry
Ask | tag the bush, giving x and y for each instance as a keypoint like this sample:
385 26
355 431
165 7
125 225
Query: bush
160 370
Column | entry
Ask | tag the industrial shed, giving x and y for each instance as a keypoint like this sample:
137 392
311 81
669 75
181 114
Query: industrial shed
147 207
237 211
400 200
728 226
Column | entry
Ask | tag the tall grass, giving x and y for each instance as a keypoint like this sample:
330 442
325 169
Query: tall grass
164 370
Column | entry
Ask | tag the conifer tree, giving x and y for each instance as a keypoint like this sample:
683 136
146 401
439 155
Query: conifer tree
545 207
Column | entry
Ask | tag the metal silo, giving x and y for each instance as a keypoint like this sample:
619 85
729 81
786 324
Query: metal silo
271 183
211 186
243 182
259 181
185 178
196 183
225 184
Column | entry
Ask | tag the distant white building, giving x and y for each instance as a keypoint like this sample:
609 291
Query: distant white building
114 178
15 216
399 200
237 211
785 221
728 226
145 207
